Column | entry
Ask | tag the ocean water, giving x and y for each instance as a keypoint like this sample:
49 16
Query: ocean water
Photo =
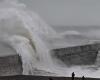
31 38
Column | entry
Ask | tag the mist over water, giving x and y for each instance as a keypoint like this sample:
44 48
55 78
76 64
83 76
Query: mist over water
31 38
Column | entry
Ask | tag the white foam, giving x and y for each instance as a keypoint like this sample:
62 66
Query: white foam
28 35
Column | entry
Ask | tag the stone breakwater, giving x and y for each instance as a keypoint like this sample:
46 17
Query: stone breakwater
78 55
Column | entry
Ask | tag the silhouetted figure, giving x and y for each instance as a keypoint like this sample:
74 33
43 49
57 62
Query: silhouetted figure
73 75
83 77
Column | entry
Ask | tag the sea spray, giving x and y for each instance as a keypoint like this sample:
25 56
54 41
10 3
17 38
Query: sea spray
28 35
20 28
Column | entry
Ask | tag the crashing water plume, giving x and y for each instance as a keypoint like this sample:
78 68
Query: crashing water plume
30 37
25 32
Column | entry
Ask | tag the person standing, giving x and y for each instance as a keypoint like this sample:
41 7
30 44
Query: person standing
73 75
83 77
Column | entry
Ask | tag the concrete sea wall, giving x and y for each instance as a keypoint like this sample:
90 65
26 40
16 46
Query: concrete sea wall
10 65
77 55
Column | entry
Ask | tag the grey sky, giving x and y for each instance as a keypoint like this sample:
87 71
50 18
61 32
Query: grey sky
67 12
